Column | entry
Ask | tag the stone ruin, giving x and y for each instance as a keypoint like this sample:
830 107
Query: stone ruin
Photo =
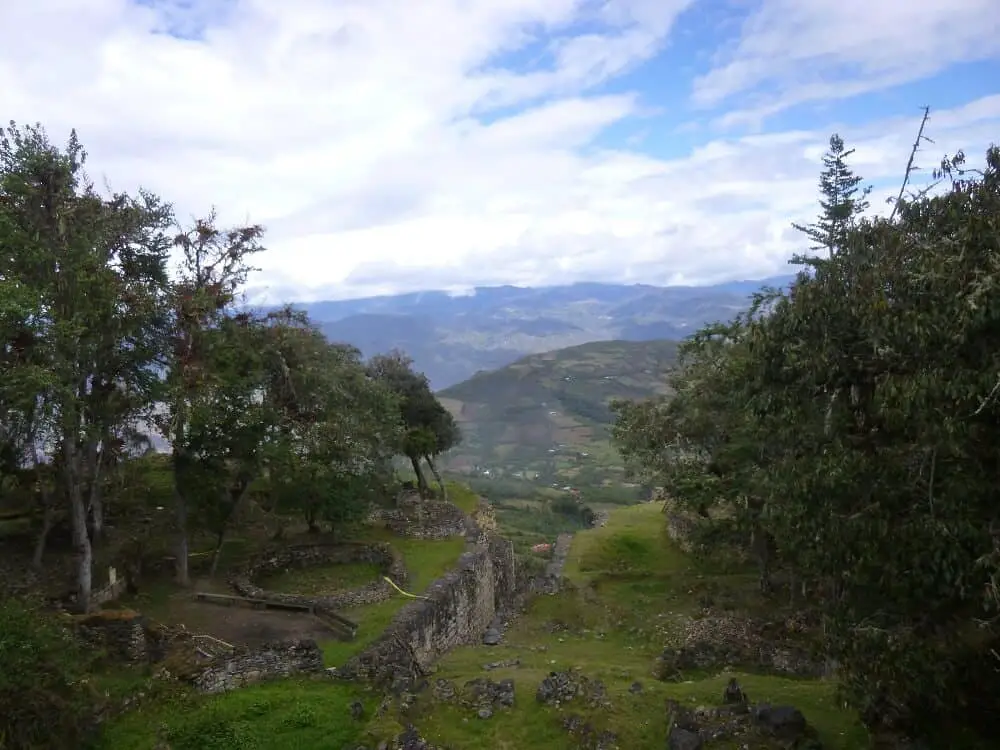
176 654
738 720
424 519
388 560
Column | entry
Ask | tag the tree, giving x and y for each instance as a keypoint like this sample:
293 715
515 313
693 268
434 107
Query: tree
214 267
335 426
883 499
429 428
88 275
841 201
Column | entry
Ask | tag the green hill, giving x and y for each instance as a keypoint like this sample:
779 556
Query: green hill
546 417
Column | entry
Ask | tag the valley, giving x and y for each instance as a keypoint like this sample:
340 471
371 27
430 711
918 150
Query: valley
545 419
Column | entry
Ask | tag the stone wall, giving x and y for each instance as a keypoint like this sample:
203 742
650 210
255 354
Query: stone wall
110 592
120 633
389 561
246 666
423 519
124 635
458 608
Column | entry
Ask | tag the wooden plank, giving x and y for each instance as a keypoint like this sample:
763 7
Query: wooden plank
230 600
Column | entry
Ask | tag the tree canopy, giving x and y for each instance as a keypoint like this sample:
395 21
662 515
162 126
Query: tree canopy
854 420
101 344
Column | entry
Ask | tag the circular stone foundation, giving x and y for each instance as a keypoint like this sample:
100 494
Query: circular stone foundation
388 561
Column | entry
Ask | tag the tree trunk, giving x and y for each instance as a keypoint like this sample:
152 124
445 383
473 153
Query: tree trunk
762 541
96 502
421 480
437 477
43 536
48 514
236 496
220 539
78 514
181 570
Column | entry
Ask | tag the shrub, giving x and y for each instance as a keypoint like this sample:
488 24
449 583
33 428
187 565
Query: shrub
42 681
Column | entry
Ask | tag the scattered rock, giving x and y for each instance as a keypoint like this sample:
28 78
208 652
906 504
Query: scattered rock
561 687
485 696
784 722
505 664
733 694
635 688
444 690
357 710
683 739
492 637
587 736
692 729
713 642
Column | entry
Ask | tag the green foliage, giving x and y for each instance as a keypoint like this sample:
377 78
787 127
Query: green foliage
46 703
96 338
429 429
850 426
840 202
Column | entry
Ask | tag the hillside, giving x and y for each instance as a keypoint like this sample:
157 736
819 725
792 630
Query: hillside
450 337
546 417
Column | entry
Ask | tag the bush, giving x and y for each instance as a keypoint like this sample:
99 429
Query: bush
42 685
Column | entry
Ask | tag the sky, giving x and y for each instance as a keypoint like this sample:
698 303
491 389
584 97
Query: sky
404 145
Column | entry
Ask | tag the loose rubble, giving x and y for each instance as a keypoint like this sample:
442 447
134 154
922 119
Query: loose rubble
753 726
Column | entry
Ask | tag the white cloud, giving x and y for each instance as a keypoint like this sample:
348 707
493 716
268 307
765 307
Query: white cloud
822 50
390 145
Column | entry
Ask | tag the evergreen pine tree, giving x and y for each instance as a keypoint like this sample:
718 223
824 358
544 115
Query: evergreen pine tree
841 200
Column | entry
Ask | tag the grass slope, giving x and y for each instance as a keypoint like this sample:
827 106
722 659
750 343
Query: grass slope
546 416
630 587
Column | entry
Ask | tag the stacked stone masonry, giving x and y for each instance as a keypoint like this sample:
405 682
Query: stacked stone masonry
246 666
423 519
389 562
458 608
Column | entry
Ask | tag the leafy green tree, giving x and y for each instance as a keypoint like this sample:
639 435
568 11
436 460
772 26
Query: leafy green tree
88 275
338 427
429 428
214 268
881 499
842 200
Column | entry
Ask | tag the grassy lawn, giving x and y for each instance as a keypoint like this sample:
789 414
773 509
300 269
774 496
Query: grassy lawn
285 715
321 579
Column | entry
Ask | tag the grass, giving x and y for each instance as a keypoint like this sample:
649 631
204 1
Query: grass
322 579
462 496
630 586
285 715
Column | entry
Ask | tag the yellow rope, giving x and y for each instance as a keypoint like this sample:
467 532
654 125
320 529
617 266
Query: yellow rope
404 593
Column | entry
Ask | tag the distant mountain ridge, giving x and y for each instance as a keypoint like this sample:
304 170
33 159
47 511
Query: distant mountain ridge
451 337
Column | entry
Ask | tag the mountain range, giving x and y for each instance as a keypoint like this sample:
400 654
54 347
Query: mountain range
452 337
